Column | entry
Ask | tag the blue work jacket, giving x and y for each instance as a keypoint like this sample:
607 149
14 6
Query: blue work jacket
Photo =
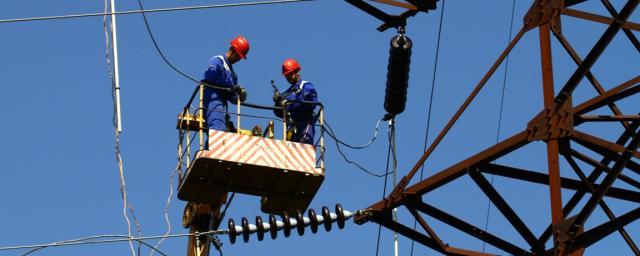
302 115
219 73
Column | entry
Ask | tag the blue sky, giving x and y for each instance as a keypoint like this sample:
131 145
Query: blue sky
61 177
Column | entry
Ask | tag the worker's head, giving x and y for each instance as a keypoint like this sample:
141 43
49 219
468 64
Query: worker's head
291 71
238 50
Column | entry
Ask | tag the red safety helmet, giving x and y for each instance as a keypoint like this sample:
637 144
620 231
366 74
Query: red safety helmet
290 65
241 46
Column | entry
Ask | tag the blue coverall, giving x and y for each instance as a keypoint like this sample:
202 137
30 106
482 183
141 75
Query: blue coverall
301 114
219 73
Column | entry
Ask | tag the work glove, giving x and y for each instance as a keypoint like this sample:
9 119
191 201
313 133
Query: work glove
242 95
240 91
277 99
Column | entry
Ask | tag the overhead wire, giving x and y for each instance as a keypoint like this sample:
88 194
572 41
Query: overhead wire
123 188
504 85
100 239
63 244
430 108
338 142
183 8
384 191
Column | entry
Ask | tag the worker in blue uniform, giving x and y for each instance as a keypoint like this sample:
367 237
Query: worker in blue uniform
220 73
300 116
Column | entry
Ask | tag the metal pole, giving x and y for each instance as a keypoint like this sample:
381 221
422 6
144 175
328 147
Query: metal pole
116 73
392 126
200 115
284 121
238 115
552 144
322 138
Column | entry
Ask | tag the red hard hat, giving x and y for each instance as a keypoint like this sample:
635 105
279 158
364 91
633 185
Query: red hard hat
290 65
241 46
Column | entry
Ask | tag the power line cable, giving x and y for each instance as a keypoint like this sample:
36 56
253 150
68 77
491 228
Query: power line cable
184 8
108 29
504 85
100 239
433 86
333 135
384 192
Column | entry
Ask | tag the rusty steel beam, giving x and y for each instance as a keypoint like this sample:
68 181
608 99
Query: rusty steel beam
609 96
389 223
595 174
555 194
568 3
619 165
405 180
597 164
604 100
596 234
602 204
457 170
427 228
606 118
470 229
592 79
541 178
632 38
507 211
596 51
598 18
600 145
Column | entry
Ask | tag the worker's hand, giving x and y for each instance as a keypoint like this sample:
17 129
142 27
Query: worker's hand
240 92
237 89
277 99
242 95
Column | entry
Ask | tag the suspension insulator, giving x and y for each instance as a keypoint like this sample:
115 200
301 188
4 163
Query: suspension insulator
286 229
300 223
232 231
245 230
273 226
326 214
341 218
398 74
260 228
313 221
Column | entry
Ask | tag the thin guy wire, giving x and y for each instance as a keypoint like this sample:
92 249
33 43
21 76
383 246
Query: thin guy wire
433 86
185 8
384 193
504 85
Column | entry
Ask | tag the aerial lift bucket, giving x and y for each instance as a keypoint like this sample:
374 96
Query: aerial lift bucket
283 173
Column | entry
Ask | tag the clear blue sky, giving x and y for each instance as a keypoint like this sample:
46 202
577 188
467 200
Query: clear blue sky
60 173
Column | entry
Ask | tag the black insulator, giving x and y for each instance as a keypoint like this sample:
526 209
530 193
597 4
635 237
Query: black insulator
245 230
259 228
341 218
286 229
232 231
327 218
300 223
273 226
398 74
313 221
